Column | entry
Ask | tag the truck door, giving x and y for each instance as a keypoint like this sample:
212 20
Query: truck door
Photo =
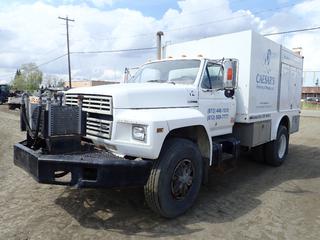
218 109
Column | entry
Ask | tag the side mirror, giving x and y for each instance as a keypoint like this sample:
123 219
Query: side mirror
230 74
229 93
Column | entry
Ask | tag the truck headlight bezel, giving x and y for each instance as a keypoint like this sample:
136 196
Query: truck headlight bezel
139 132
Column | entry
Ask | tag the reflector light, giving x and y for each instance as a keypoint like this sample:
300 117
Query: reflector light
229 74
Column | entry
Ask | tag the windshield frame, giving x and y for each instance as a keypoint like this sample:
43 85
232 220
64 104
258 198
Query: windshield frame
195 82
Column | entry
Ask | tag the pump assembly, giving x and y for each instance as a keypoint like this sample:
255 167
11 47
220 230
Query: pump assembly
51 125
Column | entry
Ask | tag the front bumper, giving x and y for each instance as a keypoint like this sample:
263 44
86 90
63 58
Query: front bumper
85 169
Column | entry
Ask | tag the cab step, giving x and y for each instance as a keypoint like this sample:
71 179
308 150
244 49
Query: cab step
225 154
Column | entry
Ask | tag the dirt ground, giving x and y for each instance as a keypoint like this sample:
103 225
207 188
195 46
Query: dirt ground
252 202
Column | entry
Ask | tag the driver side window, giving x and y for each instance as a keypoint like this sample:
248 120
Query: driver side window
213 77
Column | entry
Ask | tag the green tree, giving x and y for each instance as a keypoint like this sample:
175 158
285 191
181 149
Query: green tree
32 76
27 78
18 81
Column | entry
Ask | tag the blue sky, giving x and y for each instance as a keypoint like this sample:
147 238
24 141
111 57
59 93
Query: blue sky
159 7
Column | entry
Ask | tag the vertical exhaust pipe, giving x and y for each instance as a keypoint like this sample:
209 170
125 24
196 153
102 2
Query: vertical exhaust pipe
126 75
159 45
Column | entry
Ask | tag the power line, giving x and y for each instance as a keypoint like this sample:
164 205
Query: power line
115 51
200 24
293 31
52 60
39 65
184 14
228 19
85 52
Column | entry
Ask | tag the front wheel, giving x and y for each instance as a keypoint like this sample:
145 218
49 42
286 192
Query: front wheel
175 178
277 150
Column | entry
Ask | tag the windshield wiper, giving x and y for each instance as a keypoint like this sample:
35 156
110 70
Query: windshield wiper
162 81
159 81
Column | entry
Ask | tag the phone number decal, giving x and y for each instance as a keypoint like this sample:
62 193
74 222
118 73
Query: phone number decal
217 114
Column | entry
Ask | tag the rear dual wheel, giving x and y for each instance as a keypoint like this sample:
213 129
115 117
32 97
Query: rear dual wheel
175 178
275 152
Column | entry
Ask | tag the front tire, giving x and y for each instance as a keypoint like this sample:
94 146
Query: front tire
175 178
277 150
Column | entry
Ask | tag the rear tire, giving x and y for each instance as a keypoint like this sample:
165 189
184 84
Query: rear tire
175 178
276 151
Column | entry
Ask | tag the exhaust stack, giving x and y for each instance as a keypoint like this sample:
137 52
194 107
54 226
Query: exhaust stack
159 45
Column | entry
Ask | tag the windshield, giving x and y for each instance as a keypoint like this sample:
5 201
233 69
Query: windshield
177 71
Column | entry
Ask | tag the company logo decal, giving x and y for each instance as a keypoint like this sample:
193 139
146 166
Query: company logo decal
267 60
265 80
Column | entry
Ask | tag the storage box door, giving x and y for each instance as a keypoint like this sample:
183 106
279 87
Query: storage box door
290 89
295 88
284 87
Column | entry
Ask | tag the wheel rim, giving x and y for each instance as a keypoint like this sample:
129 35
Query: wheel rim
282 146
182 179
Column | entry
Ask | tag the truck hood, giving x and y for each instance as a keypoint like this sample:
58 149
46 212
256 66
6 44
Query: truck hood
144 95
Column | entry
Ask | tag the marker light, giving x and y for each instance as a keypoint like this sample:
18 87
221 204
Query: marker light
229 74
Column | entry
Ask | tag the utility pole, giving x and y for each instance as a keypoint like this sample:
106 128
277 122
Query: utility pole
69 65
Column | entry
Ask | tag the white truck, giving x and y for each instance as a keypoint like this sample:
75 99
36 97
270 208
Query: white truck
176 118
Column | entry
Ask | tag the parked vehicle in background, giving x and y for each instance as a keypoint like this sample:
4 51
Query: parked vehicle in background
4 93
175 119
14 100
312 99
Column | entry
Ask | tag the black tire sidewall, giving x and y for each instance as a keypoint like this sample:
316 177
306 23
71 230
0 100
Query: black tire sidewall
179 150
273 148
282 131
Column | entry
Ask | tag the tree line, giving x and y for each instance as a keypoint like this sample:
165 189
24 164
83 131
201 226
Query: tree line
29 78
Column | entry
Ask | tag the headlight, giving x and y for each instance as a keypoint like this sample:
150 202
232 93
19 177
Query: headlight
139 133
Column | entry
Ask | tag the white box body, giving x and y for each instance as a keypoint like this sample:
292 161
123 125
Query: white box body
269 78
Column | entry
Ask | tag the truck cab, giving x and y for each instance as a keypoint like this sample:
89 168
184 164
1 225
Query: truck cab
162 96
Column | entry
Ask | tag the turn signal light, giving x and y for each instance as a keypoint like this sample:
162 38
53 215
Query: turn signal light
229 74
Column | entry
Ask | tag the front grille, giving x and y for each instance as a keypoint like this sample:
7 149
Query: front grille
98 128
97 107
92 103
